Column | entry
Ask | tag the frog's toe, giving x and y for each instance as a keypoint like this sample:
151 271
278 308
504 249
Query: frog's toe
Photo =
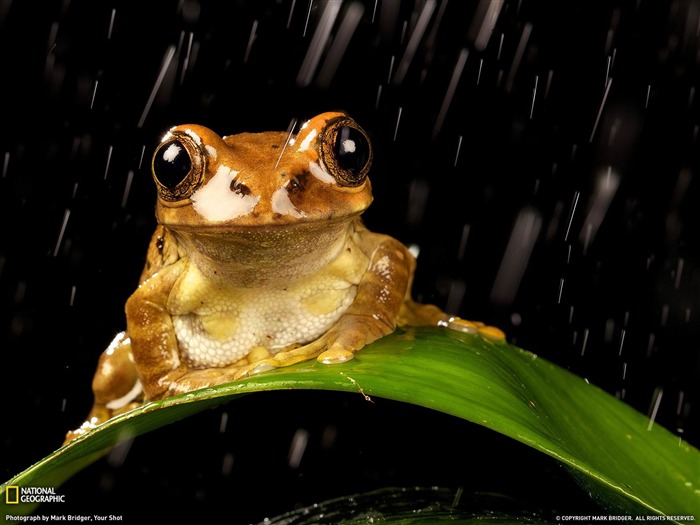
254 368
334 356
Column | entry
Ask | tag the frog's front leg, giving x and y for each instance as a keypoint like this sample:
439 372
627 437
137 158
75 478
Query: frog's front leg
380 296
150 327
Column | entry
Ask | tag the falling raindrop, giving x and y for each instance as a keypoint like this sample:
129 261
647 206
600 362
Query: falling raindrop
251 39
534 95
456 74
167 59
600 109
585 341
459 147
290 132
679 272
561 290
66 216
483 22
679 406
188 57
654 406
516 256
223 423
524 37
622 341
111 24
414 40
308 15
143 151
571 214
605 189
463 242
127 187
650 344
297 448
609 330
347 28
109 159
398 120
291 13
379 94
94 94
646 102
549 84
391 68
227 464
318 43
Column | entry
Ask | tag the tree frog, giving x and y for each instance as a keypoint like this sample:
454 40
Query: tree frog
260 260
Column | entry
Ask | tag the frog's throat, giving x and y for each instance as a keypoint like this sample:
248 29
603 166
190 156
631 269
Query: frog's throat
262 255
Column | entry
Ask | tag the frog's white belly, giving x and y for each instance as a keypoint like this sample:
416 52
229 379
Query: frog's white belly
234 323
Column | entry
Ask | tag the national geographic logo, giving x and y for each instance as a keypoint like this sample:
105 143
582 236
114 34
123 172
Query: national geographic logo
15 495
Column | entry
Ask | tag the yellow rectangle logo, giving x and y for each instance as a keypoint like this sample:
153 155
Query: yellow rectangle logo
12 495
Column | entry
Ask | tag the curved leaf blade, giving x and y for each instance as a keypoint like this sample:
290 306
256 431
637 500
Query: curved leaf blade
630 466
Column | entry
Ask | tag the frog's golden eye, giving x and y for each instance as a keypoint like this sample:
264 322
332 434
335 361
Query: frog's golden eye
346 151
177 167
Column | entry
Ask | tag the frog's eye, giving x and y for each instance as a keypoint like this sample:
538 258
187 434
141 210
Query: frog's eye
177 167
346 151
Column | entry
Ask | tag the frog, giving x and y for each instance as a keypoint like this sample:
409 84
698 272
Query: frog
260 259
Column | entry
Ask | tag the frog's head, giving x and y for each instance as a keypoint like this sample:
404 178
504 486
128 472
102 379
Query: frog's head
254 181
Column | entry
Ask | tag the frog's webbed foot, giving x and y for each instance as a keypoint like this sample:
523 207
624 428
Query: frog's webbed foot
186 380
116 386
350 334
417 314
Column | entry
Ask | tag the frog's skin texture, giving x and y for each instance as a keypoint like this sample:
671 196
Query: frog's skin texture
259 260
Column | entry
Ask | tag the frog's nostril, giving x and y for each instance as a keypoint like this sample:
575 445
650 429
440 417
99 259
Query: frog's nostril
239 188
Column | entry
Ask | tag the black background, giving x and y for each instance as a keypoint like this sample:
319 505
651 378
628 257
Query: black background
75 80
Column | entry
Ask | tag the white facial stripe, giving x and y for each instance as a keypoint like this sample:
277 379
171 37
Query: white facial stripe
318 172
212 151
194 136
216 202
307 141
282 204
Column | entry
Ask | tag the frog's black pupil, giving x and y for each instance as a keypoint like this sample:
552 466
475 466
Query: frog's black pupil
171 164
351 149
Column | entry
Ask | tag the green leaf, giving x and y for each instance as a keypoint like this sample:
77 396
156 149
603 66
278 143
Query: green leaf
629 465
